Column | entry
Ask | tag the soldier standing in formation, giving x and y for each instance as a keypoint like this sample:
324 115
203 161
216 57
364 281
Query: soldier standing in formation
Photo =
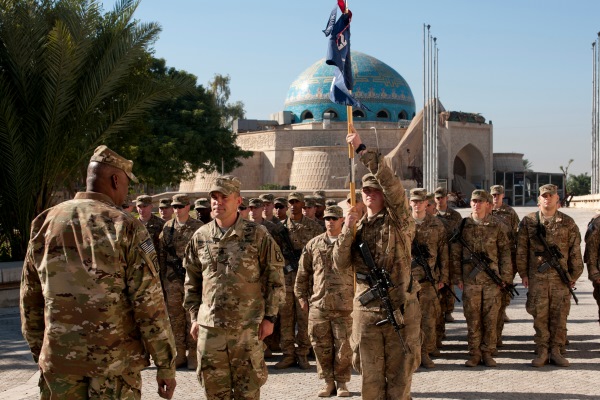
430 206
592 256
152 223
481 296
320 199
329 295
268 202
429 263
243 208
174 238
281 207
548 299
385 358
301 230
91 300
202 207
232 312
165 210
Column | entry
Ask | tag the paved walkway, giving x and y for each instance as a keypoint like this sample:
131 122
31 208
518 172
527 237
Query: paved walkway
514 378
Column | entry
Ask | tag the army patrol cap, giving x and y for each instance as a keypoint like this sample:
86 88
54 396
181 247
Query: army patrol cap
309 201
296 196
418 194
552 189
497 189
181 199
319 193
357 198
164 203
369 180
257 203
226 185
430 197
330 202
267 198
281 200
104 155
440 192
245 202
202 202
333 211
319 201
479 194
143 200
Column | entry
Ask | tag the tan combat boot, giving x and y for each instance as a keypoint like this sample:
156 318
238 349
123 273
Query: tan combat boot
448 317
342 389
426 361
541 359
474 360
326 390
303 362
488 360
192 360
557 359
288 361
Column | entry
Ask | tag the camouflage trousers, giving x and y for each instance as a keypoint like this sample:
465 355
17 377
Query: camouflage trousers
549 302
231 363
596 294
180 319
430 315
75 387
481 304
329 332
290 314
446 301
378 354
504 303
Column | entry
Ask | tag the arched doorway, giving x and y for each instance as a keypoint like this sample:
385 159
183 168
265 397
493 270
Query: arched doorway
469 164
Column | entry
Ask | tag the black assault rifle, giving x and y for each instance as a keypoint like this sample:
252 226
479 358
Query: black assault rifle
380 283
481 262
551 255
420 253
291 256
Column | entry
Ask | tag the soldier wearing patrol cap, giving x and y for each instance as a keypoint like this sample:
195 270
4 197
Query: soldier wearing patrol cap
481 295
320 198
244 209
152 223
268 201
202 207
128 205
548 299
330 202
310 210
300 230
233 289
92 326
592 256
329 295
165 210
281 207
174 238
430 268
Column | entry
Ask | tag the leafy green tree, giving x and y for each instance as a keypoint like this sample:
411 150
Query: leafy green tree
67 83
579 185
527 165
219 87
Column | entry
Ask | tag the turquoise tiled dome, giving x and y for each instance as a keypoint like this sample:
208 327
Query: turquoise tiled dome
376 84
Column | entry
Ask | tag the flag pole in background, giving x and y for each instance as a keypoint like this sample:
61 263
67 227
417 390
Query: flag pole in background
351 149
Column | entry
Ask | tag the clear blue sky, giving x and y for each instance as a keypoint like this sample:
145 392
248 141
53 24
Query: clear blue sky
524 64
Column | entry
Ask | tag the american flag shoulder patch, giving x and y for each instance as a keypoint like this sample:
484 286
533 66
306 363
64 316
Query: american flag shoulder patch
147 246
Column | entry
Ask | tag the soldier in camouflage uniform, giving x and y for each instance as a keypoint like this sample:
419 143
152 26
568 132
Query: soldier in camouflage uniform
174 237
310 210
548 299
429 250
281 207
152 223
430 206
243 208
268 201
481 296
232 312
320 199
330 296
301 230
202 207
451 219
510 218
385 361
165 209
591 256
92 309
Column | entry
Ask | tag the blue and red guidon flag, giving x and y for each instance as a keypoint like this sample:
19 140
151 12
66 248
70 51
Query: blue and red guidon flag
338 54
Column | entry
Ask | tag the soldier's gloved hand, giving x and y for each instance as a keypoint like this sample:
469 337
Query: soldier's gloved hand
194 330
166 387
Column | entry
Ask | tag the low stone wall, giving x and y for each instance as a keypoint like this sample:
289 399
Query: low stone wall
590 201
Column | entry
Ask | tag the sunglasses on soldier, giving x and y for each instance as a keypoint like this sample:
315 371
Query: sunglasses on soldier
178 206
331 218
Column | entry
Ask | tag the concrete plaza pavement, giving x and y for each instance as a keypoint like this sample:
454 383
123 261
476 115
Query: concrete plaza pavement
514 378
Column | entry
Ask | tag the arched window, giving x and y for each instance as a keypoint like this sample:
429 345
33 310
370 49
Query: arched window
383 114
307 115
332 114
403 115
358 114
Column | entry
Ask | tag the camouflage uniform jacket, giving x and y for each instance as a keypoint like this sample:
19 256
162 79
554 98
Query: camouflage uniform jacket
274 219
592 247
562 232
154 227
300 233
316 280
224 273
91 299
488 237
451 219
180 238
431 232
388 234
510 218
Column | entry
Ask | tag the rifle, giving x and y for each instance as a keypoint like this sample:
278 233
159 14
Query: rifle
552 254
292 256
420 253
380 283
481 262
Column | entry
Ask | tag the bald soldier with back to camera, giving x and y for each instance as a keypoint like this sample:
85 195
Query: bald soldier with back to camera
92 307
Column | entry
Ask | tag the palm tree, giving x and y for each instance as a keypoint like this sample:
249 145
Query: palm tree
67 82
